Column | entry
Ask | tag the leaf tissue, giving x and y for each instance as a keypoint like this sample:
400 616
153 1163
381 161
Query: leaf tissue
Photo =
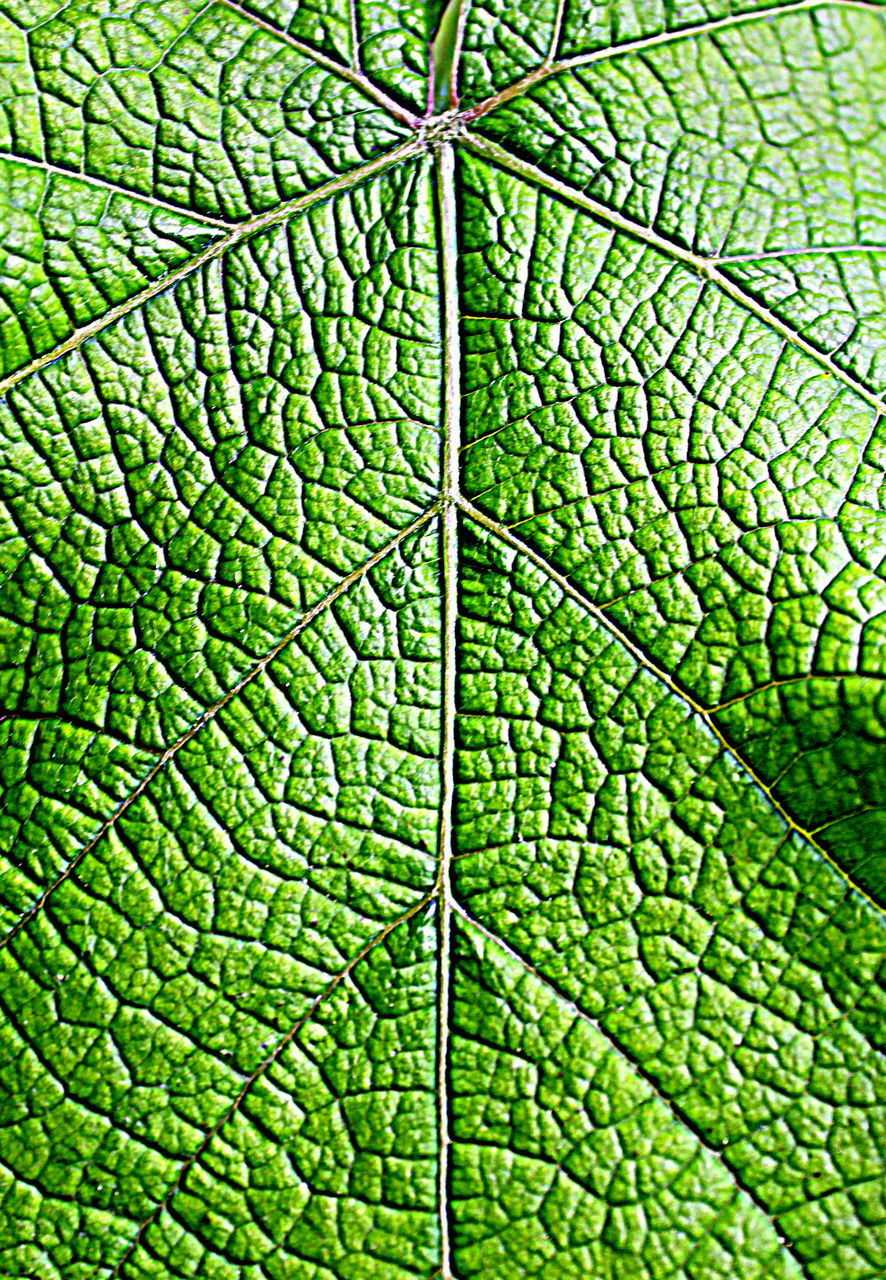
442 640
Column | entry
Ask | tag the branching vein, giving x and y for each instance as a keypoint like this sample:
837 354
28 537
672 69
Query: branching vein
304 621
704 267
355 76
704 713
242 231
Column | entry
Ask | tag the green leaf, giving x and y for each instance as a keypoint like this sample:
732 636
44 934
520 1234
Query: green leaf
442 632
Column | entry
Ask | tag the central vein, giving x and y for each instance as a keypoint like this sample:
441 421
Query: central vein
446 214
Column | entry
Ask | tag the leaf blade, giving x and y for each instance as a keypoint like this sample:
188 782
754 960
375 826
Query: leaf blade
257 748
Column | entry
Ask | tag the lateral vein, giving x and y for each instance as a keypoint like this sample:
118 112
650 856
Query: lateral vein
637 1067
704 267
126 193
304 621
549 68
816 250
806 678
706 714
353 74
240 232
262 1068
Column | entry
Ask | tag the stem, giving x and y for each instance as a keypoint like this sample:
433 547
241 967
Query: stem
443 69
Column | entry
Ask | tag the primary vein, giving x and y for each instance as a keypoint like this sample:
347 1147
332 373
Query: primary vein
446 212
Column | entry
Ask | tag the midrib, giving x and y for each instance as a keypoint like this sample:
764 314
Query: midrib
444 172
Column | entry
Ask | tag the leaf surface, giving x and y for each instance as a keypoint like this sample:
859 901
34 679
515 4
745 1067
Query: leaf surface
442 685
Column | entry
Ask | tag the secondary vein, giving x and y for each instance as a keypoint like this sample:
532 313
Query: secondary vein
242 231
704 267
261 1070
304 621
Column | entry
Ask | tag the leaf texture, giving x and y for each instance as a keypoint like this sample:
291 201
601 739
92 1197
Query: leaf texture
442 680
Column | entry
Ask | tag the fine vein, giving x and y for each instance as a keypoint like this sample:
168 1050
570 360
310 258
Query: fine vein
304 621
354 23
217 249
807 251
112 188
446 212
704 267
556 34
704 713
789 681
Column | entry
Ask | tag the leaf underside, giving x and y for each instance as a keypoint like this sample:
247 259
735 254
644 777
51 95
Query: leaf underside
442 633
